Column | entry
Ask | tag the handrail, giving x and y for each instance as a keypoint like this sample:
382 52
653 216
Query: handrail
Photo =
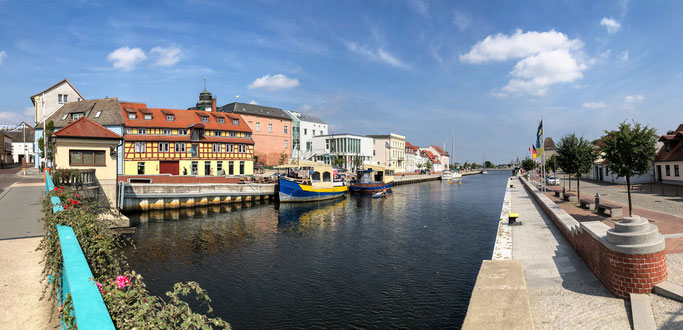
89 307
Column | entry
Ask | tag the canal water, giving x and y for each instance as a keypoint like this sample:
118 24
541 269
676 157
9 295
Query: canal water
409 260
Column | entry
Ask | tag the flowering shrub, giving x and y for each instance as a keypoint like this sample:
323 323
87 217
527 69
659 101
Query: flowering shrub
129 303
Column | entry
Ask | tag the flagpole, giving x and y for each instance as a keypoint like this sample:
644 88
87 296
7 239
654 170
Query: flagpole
543 152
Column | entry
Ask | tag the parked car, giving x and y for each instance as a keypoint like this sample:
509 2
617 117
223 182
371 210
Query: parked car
552 181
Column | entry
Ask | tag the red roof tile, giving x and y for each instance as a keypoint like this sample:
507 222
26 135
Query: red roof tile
440 150
182 118
86 128
431 156
412 147
675 143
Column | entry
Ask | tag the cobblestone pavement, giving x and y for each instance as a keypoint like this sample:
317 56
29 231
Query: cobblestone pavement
563 292
8 176
641 199
668 312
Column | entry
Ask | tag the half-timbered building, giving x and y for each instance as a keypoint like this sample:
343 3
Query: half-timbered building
185 142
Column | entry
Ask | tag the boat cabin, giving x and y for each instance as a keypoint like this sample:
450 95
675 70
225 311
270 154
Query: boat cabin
375 173
316 175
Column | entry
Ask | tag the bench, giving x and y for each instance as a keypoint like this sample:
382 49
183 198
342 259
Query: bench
587 203
570 197
512 219
615 211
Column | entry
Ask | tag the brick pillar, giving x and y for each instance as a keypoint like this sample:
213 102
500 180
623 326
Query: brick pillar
637 257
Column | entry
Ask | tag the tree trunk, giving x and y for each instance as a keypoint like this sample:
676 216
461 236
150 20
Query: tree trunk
570 182
578 187
628 188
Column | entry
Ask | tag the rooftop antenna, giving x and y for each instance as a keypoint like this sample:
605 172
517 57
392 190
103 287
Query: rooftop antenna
204 82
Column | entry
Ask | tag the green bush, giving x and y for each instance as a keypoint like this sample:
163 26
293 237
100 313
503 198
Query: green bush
123 290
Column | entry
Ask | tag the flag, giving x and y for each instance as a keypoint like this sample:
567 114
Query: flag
539 133
534 152
386 144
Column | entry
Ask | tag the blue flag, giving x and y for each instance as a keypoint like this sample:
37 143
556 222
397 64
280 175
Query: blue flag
539 133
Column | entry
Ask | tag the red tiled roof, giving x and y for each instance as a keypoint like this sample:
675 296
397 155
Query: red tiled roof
182 118
675 142
440 150
412 147
86 128
185 138
431 156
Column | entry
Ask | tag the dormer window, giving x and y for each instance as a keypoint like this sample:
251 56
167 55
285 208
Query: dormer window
668 147
148 116
131 115
169 117
76 115
65 115
205 119
98 114
142 131
217 133
235 122
221 120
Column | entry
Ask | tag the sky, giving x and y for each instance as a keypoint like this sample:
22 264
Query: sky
482 73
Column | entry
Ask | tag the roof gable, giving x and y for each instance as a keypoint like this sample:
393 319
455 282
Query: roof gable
57 84
254 109
110 112
86 128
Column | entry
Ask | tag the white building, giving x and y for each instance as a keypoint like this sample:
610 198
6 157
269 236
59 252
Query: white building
50 100
441 154
304 128
413 157
390 151
351 150
22 142
428 156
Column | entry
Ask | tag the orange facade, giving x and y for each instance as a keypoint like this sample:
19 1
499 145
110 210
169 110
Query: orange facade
272 138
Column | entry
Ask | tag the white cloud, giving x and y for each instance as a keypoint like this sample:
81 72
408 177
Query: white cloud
546 58
611 25
2 56
633 98
501 47
593 105
166 56
126 59
253 102
378 55
624 56
274 82
421 6
461 20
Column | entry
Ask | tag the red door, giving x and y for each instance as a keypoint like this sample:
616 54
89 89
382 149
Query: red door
169 167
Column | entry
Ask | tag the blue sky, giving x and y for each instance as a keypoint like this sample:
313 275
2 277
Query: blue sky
488 69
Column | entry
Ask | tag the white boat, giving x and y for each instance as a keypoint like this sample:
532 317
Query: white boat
446 175
457 175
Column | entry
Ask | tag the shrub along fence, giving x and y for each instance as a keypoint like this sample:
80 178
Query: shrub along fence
86 274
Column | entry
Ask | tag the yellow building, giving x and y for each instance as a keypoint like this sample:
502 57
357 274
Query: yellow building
185 142
84 145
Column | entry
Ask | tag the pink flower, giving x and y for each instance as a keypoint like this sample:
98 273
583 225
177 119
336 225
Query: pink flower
61 188
99 286
56 189
59 194
76 195
122 281
74 203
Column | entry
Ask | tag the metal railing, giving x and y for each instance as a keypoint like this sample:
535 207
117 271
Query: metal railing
77 279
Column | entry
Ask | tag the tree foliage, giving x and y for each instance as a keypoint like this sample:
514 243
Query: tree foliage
629 151
529 164
551 163
46 150
575 155
488 164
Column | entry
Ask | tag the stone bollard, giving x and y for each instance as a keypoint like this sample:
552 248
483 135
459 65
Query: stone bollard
597 200
637 258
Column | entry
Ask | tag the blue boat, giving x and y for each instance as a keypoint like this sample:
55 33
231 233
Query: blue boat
309 181
373 179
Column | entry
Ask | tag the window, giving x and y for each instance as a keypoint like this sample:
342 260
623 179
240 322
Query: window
241 167
258 126
86 157
131 115
140 146
97 115
148 116
286 129
230 168
166 131
76 115
62 98
305 131
668 170
129 130
65 115
194 168
233 134
141 168
195 150
221 120
205 119
309 146
676 173
142 131
180 147
230 148
217 133
207 168
163 147
285 143
242 148
247 135
314 132
270 128
235 122
169 117
216 147
182 132
65 96
219 167
667 147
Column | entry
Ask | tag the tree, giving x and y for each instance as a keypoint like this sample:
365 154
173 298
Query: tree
46 151
488 164
629 150
575 155
551 164
475 165
420 166
283 158
529 164
357 162
428 165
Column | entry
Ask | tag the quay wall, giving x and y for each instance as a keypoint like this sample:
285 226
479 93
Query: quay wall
137 197
503 248
416 178
625 262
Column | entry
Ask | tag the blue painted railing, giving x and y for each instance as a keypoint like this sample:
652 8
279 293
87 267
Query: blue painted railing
89 308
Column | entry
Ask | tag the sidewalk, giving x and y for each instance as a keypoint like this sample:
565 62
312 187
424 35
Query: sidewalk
563 291
20 207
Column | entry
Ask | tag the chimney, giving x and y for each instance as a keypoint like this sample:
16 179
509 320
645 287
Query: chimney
213 104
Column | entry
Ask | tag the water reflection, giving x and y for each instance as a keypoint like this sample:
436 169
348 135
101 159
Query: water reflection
305 217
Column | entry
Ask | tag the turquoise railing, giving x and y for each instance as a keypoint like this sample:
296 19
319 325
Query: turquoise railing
77 279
